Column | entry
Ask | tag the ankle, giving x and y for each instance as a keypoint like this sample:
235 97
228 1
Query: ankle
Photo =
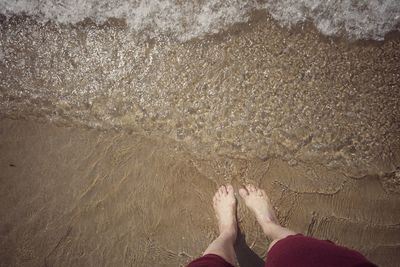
228 233
265 220
275 231
270 228
268 224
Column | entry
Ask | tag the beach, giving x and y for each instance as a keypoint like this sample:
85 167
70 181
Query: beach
112 143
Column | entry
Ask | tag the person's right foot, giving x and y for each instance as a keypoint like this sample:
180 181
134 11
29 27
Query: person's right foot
258 202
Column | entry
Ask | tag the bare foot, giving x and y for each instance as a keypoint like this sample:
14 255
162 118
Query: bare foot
225 208
258 202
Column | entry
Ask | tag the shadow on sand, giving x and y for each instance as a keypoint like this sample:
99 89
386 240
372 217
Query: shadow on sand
245 256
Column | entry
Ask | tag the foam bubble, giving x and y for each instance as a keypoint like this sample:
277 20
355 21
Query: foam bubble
184 20
371 19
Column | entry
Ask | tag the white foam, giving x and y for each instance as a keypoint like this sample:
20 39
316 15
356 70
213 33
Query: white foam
183 20
371 19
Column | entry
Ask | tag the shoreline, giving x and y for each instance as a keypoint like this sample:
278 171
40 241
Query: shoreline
65 190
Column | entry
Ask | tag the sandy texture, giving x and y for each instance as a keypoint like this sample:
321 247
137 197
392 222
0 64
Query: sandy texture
79 197
254 91
112 144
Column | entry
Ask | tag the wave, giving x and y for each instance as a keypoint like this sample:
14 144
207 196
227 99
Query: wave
183 20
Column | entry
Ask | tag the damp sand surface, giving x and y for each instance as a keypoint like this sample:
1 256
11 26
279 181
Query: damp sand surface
112 145
81 197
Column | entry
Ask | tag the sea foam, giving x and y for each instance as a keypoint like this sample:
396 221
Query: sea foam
184 20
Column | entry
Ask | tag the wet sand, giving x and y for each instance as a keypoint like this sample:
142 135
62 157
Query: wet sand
111 146
81 197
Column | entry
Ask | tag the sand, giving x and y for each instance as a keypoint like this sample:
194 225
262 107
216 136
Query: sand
112 146
82 197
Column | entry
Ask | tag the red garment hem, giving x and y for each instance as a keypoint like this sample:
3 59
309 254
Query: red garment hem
302 251
210 260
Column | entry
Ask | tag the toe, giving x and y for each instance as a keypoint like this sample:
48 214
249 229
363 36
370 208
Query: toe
247 186
243 193
253 188
217 195
215 198
259 192
250 188
263 193
229 189
219 191
222 190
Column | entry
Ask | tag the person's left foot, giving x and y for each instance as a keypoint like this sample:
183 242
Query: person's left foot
225 208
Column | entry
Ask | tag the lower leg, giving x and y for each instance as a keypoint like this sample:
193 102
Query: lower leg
223 247
274 231
225 208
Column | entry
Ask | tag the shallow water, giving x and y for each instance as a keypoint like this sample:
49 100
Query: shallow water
254 91
82 197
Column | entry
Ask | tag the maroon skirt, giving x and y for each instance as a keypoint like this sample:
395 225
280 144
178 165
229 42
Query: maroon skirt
300 251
